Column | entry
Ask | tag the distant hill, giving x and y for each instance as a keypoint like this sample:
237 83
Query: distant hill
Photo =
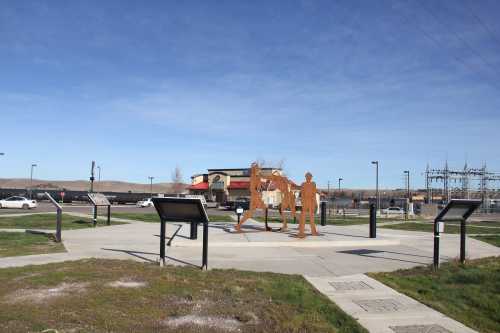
84 185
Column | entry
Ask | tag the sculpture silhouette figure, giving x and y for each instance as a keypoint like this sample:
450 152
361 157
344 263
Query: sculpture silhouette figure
287 197
255 195
308 199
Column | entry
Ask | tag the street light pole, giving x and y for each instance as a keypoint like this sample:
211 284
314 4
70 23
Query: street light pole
340 179
407 181
376 185
151 186
33 165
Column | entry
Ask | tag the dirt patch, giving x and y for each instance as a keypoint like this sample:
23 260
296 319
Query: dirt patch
127 284
219 323
43 294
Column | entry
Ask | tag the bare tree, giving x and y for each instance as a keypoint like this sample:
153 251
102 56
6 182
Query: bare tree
177 183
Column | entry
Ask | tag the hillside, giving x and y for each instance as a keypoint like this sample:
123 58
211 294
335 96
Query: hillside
83 185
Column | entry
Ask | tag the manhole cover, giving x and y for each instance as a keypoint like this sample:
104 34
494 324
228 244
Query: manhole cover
380 305
419 329
350 285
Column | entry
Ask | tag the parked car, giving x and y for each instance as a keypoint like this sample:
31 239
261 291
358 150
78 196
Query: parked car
393 211
242 202
145 203
18 202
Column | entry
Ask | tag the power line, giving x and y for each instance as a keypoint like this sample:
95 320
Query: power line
457 58
464 42
482 23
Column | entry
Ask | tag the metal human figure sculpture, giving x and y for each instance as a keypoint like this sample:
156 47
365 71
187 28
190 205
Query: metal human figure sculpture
255 195
308 199
287 196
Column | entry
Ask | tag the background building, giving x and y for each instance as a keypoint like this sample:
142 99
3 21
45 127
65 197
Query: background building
225 185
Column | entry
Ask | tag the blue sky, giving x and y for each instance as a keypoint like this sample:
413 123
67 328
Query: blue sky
326 86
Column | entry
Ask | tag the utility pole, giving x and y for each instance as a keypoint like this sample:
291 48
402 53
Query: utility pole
376 185
33 165
151 186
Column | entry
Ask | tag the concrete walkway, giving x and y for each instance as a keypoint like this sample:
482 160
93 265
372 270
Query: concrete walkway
341 254
381 309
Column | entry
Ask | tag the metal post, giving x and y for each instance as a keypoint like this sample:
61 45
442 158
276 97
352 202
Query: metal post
407 185
109 216
436 245
95 215
205 246
92 178
193 231
323 213
462 241
376 185
373 221
265 220
162 242
58 225
33 165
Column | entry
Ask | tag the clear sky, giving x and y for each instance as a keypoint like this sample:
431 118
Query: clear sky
326 86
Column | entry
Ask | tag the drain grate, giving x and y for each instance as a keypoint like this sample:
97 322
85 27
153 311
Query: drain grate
350 285
380 305
419 329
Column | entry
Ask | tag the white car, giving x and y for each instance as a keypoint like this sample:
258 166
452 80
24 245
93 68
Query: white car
145 203
393 211
18 202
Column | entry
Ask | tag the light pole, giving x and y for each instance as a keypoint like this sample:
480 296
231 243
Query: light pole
33 165
376 185
340 179
407 183
151 186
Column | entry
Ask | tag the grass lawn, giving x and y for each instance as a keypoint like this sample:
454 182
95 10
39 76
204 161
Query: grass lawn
448 228
97 295
469 294
48 221
153 217
23 244
493 239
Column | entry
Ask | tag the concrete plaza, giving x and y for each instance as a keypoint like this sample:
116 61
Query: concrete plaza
340 254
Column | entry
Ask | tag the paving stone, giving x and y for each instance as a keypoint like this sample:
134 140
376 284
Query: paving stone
380 305
419 329
350 285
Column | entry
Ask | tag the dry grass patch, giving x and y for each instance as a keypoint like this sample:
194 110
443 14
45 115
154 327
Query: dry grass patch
127 296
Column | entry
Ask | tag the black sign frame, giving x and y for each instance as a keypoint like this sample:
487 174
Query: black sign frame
470 205
189 210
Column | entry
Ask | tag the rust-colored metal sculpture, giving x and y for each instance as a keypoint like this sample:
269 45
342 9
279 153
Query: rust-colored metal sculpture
307 196
255 195
287 197
308 199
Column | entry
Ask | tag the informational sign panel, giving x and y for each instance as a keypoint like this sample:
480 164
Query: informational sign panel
182 210
98 199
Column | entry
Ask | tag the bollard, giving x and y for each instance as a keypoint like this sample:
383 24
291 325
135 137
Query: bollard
435 260
323 213
193 231
95 216
373 221
462 241
265 221
108 222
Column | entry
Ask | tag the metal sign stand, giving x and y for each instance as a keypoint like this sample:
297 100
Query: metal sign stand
455 210
189 210
58 217
98 200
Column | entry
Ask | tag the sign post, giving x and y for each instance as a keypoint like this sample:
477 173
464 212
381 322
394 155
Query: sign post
190 210
99 199
455 210
58 216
